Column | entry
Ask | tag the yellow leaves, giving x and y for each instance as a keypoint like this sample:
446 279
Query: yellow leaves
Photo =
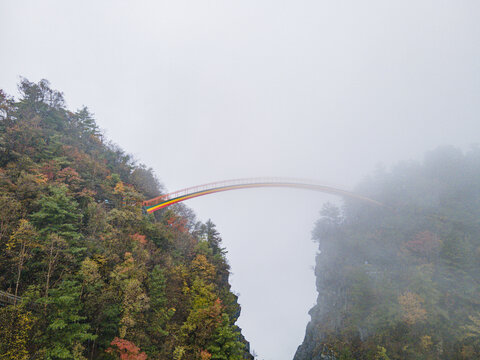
25 234
381 353
181 276
205 316
202 268
411 305
119 188
40 179
134 302
128 269
15 333
90 272
128 278
473 329
10 244
129 258
178 353
185 288
426 342
101 260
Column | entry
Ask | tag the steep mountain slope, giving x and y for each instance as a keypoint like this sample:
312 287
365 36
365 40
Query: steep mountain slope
98 278
402 282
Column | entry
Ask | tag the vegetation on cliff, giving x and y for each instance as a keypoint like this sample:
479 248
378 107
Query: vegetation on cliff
98 279
403 281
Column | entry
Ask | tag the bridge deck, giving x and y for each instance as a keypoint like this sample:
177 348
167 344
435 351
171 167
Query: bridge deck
162 201
9 299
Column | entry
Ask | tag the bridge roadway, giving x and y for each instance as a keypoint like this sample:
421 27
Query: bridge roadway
163 201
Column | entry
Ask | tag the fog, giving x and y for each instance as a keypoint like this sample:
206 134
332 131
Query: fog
212 90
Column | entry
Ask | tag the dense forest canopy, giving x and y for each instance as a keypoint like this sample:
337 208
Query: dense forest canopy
98 279
91 276
402 282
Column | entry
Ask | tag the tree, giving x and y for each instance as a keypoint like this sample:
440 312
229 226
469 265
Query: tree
473 328
55 247
57 221
86 123
58 214
66 331
381 353
128 279
74 239
213 237
330 220
9 213
126 350
203 269
411 305
424 244
226 344
204 317
40 100
22 240
15 326
161 314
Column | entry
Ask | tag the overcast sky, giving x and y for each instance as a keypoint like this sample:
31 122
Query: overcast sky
211 90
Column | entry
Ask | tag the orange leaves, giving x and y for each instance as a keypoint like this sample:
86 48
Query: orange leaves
126 350
205 355
68 176
119 188
411 305
40 179
142 239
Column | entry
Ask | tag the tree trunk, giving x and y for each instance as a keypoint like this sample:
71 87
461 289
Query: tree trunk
51 262
19 272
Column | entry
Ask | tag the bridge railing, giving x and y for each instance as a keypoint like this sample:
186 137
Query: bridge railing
218 184
7 298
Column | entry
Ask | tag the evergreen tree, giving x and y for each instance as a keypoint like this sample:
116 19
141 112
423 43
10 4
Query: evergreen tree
67 331
58 214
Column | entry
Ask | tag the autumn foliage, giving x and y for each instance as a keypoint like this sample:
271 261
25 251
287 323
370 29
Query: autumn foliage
401 281
411 305
126 350
88 263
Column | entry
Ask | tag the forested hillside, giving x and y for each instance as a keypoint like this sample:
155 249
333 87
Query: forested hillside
402 281
99 279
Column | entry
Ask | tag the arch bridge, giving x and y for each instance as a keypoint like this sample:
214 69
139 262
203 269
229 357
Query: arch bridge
163 201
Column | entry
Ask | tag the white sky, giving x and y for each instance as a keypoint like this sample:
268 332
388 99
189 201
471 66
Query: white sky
212 90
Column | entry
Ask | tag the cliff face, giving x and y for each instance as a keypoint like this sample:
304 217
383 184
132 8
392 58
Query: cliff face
401 282
97 278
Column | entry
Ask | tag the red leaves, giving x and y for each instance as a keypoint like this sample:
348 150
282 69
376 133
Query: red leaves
68 176
126 350
49 169
178 223
424 244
